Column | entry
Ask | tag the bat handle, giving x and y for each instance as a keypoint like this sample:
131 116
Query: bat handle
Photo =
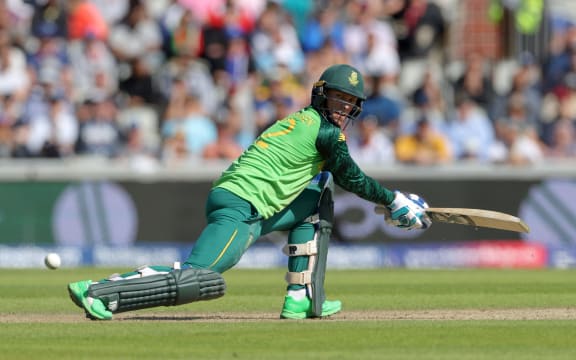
382 210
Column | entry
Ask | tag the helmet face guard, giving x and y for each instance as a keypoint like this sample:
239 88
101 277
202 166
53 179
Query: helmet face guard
343 78
320 102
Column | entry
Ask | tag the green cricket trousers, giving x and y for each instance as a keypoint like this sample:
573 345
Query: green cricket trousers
234 224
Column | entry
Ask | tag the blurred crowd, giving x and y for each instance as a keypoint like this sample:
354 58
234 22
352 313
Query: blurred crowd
176 82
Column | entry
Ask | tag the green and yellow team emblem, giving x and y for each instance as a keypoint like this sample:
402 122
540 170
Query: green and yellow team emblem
353 78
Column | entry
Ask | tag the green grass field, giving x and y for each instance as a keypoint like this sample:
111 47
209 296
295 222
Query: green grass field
388 314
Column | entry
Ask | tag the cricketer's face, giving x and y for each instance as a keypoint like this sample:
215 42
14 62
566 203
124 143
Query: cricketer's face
340 105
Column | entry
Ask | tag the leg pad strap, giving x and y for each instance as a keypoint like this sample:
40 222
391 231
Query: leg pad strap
299 278
308 248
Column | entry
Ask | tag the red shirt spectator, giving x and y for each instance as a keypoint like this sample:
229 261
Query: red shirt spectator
86 19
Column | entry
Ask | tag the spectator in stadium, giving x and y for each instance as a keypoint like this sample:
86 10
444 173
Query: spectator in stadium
183 32
273 99
139 121
563 143
558 57
517 115
53 134
85 18
419 24
369 41
239 64
112 11
137 36
49 19
559 107
140 84
94 68
174 152
382 106
322 27
136 152
19 140
476 81
9 114
50 61
470 131
522 145
14 77
275 43
231 20
428 101
525 88
379 58
16 17
426 146
196 78
191 120
99 134
370 143
226 146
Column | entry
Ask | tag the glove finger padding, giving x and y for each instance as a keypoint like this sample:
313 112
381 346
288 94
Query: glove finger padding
408 212
419 206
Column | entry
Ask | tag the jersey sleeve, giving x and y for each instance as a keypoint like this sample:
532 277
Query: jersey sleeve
331 144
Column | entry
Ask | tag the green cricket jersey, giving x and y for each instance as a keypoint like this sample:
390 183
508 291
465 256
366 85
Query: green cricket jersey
282 161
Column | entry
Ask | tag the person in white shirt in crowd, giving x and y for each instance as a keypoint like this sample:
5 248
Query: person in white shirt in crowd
275 43
369 41
53 133
470 131
370 144
137 35
14 76
94 67
516 146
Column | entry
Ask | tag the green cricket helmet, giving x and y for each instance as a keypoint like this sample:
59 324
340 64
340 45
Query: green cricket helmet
344 78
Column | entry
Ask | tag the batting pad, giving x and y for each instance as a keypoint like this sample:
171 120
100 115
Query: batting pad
176 287
316 249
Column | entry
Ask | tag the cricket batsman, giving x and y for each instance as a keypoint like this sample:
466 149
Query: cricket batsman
283 182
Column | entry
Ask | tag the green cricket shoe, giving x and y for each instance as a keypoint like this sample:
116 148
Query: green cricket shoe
302 309
94 308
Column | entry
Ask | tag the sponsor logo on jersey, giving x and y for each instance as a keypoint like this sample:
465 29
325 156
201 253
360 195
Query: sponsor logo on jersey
341 137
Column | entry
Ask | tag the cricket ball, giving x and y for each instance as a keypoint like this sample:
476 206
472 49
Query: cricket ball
52 261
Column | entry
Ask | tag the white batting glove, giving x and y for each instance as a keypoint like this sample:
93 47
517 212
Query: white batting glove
407 212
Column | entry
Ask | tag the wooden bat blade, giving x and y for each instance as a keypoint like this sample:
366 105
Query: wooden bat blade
478 217
472 217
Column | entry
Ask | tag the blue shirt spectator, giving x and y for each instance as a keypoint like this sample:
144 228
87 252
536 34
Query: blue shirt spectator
471 132
324 26
198 129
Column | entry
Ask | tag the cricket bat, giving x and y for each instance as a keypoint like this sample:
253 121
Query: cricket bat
472 217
